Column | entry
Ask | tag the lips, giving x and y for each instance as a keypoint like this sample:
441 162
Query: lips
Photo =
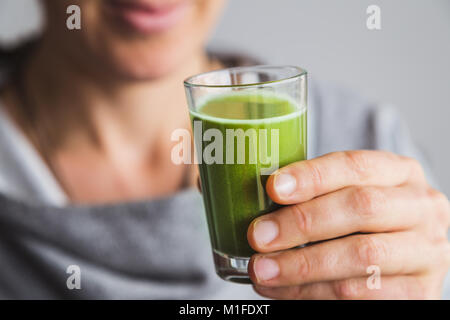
146 16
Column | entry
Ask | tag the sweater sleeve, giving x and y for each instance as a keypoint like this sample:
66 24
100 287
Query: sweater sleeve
339 119
392 134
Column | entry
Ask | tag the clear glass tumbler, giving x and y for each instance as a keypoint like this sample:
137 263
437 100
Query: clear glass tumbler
247 122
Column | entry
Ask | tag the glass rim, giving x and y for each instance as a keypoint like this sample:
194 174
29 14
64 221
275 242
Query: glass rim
189 82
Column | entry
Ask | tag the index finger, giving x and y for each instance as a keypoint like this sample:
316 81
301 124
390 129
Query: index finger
305 180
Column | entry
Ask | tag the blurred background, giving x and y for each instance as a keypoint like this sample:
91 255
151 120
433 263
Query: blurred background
406 63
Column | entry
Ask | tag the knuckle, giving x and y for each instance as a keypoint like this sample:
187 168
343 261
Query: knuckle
370 250
302 219
415 288
441 205
430 285
366 200
303 291
358 162
317 175
346 289
303 267
416 169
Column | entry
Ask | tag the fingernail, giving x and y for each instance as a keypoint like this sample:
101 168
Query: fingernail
265 231
266 269
285 184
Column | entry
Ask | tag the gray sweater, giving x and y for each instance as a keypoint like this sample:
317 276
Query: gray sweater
155 249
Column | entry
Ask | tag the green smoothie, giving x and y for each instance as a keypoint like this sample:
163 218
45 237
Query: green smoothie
234 193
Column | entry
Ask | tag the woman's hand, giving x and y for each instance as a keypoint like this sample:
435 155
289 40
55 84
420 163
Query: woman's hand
363 208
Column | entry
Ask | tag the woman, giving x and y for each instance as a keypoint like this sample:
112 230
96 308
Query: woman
91 205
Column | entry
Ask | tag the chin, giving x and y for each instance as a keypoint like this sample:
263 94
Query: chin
144 58
150 67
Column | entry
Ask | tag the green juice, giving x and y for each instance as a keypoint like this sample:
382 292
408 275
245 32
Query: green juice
234 193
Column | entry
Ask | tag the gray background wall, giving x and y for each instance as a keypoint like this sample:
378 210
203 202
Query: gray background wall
407 63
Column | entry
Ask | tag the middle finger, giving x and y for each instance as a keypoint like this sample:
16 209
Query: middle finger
347 211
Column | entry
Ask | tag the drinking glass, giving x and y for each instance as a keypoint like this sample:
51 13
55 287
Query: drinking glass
247 123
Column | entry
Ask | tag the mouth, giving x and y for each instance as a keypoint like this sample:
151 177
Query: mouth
147 17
